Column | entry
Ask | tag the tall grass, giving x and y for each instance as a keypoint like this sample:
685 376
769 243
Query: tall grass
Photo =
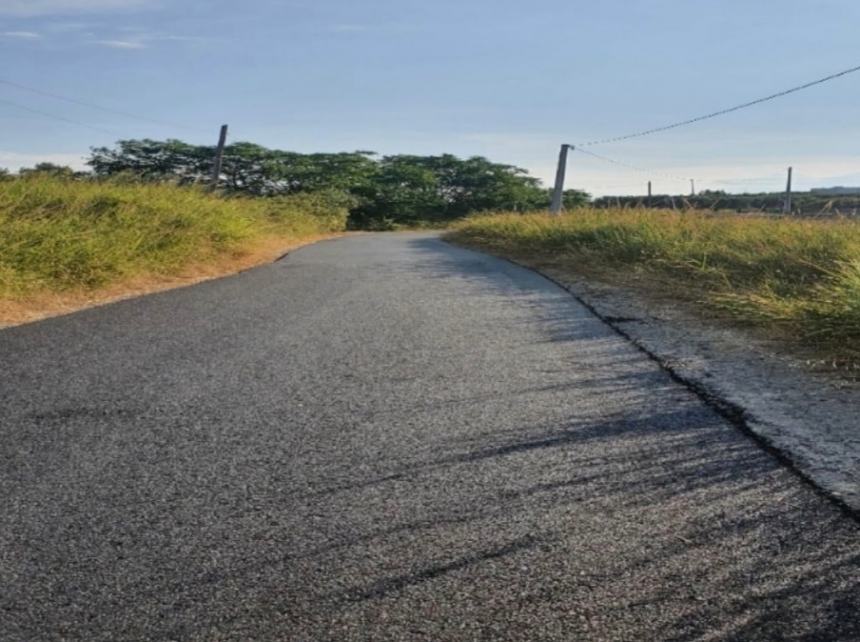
59 235
799 276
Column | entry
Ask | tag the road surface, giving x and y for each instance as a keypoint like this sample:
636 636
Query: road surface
384 437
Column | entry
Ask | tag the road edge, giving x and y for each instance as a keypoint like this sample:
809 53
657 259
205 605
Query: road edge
102 298
734 413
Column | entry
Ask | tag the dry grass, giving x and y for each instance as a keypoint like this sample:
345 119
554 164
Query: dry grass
65 245
45 304
799 279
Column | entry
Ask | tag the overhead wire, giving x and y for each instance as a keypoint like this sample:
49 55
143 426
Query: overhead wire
579 146
633 167
89 105
51 116
722 112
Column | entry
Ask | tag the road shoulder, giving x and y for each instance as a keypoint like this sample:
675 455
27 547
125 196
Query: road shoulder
808 418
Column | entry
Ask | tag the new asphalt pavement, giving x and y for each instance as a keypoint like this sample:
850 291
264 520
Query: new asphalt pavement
384 437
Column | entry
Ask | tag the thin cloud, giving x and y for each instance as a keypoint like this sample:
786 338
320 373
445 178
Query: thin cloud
144 40
120 44
22 35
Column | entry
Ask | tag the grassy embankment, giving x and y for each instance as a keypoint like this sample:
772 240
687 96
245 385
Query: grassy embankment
796 279
65 244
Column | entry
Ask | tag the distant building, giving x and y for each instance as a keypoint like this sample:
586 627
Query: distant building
836 191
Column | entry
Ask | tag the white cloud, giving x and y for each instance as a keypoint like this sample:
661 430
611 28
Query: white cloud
120 44
143 40
14 161
23 35
123 38
62 7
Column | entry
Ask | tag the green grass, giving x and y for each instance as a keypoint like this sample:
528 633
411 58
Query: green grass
59 235
797 277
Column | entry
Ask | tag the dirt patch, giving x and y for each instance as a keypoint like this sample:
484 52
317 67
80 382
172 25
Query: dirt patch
49 304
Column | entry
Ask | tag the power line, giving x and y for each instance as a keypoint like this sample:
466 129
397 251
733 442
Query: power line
722 111
751 179
699 181
633 167
108 110
55 117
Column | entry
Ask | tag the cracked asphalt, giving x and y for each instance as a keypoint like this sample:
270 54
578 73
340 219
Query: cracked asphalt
384 437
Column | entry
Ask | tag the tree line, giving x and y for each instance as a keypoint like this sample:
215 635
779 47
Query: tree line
382 191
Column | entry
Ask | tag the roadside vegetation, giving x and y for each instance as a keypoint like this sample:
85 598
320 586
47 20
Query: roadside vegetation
146 217
798 278
821 202
386 192
60 235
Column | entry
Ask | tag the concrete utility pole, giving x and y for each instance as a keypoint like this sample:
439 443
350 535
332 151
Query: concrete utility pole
649 193
558 193
219 157
692 187
786 208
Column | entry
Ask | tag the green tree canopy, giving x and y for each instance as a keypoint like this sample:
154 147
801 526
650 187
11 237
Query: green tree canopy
386 190
53 169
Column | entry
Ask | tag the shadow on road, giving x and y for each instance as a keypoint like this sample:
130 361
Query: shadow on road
536 479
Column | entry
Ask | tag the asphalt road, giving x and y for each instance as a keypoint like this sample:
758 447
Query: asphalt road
387 438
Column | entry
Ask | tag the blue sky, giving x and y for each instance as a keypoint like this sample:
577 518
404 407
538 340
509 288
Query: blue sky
506 79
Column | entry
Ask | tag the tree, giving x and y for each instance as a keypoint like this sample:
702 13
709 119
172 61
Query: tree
59 171
400 189
574 198
154 160
409 189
